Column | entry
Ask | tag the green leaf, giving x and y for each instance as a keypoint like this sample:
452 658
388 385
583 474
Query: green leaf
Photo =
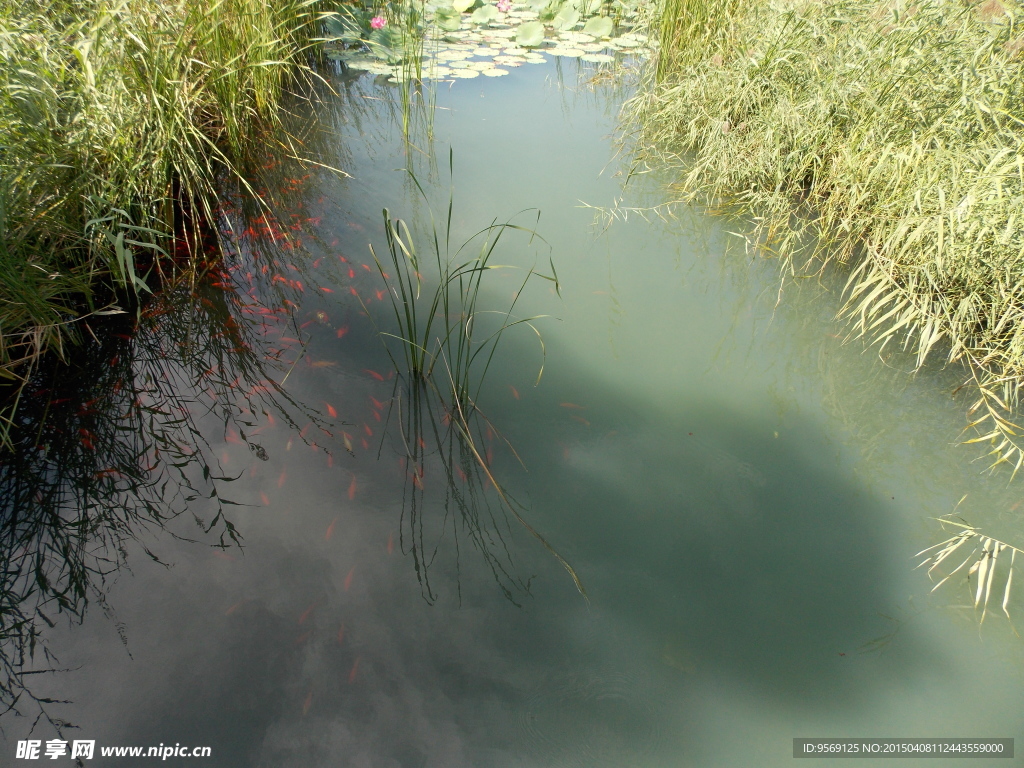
599 26
530 34
447 18
566 18
463 5
484 14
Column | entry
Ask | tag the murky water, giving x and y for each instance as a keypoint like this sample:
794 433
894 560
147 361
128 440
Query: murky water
739 492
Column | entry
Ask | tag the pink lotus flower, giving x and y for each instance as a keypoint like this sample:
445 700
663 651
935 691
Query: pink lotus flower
504 5
377 22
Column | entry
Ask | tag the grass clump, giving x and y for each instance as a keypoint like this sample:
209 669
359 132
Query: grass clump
118 120
883 135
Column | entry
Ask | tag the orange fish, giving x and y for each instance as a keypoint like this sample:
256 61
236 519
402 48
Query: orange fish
232 437
376 415
515 392
342 331
341 634
330 459
306 614
391 543
234 608
303 637
377 403
330 411
375 375
352 672
580 419
367 430
571 405
351 273
324 364
330 530
270 419
366 445
264 499
307 704
352 488
348 579
282 478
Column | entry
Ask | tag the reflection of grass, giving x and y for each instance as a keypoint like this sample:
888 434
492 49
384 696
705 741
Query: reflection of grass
444 353
109 447
886 136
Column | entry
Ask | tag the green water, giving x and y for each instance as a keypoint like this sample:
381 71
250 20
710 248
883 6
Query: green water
740 493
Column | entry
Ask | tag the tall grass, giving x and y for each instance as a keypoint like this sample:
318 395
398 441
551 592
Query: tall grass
117 119
885 136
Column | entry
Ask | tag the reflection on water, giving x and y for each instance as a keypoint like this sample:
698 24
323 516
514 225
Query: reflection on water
740 492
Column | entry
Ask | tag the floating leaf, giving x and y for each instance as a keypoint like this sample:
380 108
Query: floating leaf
530 34
463 5
484 14
599 26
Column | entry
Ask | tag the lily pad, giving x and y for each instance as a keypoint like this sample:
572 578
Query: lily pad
597 58
483 14
465 73
494 72
599 26
572 53
530 34
463 5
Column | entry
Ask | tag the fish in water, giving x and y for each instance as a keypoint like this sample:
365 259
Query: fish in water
348 578
330 529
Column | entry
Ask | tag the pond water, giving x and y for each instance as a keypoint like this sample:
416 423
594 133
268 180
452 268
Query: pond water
739 492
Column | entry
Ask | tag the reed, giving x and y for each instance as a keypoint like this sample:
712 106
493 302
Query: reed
442 354
118 120
883 137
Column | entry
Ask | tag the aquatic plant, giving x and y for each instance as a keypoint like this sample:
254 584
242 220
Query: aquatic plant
444 350
885 138
982 558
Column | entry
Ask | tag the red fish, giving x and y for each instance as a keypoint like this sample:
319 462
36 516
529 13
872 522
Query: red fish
367 430
352 672
282 478
341 634
391 543
264 499
330 530
306 614
352 488
342 331
375 375
330 410
234 607
377 403
515 392
348 579
376 415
